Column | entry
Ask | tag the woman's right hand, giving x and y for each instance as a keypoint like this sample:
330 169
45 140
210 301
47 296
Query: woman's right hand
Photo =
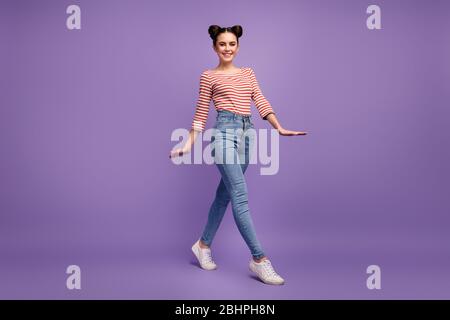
187 146
179 152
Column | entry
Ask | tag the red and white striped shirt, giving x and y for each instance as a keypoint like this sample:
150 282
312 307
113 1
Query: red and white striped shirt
229 91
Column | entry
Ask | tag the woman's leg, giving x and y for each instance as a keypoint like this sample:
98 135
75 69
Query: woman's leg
234 182
226 152
217 211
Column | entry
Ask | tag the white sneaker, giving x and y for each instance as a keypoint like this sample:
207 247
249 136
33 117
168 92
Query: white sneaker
203 256
265 272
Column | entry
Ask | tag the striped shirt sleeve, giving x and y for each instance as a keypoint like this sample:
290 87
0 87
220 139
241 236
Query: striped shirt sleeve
261 103
204 99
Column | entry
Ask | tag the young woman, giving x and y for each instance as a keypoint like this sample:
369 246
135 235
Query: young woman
231 89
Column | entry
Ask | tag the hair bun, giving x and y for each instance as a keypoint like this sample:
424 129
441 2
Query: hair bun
237 30
213 30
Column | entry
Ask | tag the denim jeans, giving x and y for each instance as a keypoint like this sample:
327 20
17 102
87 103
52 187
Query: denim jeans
232 143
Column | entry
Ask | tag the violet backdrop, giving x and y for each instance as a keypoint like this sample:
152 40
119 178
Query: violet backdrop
85 123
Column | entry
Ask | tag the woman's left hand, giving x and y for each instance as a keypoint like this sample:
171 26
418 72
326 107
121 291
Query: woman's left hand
284 132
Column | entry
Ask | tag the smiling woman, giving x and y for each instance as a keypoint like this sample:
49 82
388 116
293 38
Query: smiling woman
231 88
226 45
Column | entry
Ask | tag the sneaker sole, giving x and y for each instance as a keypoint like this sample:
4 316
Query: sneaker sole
266 282
196 254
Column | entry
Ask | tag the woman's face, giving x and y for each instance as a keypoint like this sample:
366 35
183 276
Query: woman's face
226 46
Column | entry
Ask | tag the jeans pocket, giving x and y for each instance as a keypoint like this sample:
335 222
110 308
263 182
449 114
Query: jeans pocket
226 125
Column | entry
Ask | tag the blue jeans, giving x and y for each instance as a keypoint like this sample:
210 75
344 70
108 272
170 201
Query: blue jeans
231 144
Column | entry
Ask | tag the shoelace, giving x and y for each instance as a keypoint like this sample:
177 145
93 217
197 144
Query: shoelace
269 269
207 256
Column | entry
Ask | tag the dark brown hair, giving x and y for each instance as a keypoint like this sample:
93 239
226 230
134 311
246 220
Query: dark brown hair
215 30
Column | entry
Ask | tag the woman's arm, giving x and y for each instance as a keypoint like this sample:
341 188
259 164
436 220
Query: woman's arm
193 134
274 122
266 110
200 116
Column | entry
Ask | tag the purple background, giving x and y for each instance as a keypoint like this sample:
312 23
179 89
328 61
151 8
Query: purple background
85 124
